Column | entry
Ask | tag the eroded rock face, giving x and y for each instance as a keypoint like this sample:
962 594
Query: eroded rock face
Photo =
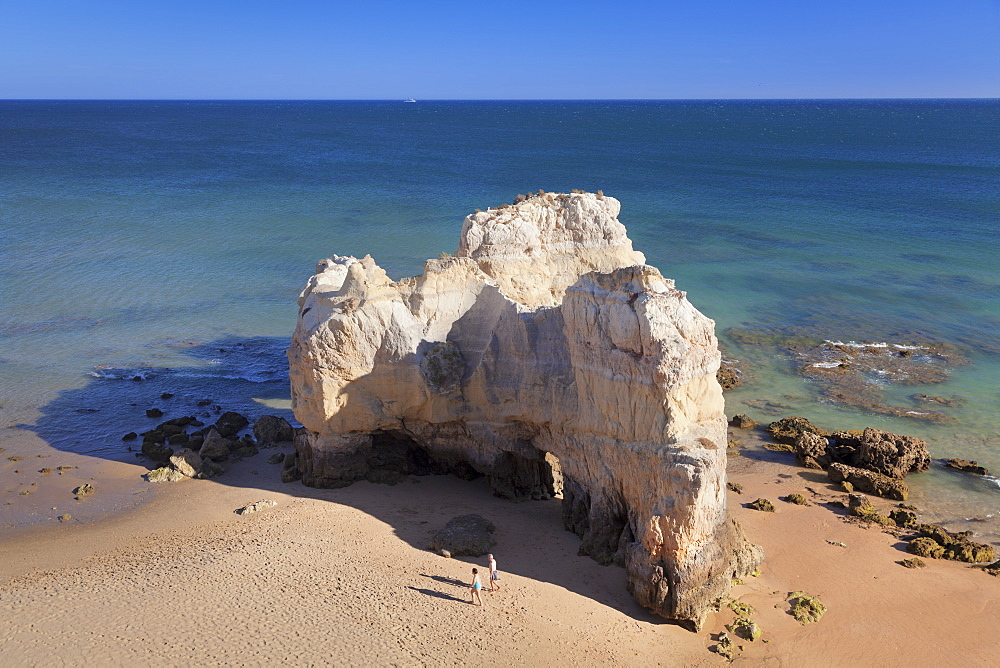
546 353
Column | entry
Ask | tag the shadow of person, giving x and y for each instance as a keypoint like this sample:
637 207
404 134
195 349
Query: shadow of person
444 580
438 594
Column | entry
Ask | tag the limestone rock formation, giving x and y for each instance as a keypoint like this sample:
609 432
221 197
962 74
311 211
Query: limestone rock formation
544 354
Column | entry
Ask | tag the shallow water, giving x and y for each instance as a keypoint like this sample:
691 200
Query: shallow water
148 236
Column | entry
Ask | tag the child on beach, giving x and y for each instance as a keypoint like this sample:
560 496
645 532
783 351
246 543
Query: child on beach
475 587
494 573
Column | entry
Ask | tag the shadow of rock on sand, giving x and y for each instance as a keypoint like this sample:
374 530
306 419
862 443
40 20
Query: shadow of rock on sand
249 376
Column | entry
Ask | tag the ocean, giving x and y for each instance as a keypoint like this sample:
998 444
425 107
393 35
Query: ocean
167 242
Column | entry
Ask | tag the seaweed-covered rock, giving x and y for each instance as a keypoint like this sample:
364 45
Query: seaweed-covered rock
728 375
954 546
796 498
165 474
806 609
859 506
915 562
892 455
470 535
812 449
745 628
724 647
786 430
925 547
903 518
993 569
869 482
735 486
762 504
965 465
271 429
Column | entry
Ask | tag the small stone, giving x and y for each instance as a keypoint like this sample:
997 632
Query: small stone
66 517
762 504
735 486
797 499
742 421
915 562
256 507
165 474
83 490
444 553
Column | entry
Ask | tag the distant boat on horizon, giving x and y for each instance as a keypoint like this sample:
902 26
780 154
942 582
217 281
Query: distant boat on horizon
409 100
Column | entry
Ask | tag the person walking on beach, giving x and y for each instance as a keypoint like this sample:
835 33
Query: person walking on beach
475 587
494 573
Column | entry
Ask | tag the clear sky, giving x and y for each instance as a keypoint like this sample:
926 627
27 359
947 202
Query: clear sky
464 49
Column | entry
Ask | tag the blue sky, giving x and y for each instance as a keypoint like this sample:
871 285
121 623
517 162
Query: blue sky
380 49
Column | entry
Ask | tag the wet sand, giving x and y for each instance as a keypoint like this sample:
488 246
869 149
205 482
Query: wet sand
343 577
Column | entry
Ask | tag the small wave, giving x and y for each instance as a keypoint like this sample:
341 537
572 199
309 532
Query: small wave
879 344
121 373
827 365
992 479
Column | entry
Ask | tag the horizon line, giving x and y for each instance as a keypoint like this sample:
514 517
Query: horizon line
622 99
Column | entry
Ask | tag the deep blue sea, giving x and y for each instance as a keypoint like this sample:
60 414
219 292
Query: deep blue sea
169 241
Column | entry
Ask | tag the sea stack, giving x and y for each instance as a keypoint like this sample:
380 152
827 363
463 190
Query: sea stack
547 356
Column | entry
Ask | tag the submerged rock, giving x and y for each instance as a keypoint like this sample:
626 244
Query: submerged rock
965 465
729 375
741 421
544 345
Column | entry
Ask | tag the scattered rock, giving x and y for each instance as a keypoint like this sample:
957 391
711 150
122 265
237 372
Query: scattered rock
86 489
131 436
15 458
735 486
915 562
256 507
154 412
187 462
859 506
45 471
762 504
903 518
947 545
276 458
966 465
746 629
444 553
992 569
165 474
869 482
837 543
157 452
892 455
797 499
65 517
925 547
470 535
806 609
270 429
741 421
724 647
230 424
290 471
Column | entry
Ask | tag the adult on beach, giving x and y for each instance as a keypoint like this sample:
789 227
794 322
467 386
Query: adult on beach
494 574
475 587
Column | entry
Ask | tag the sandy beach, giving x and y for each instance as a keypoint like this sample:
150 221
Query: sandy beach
344 577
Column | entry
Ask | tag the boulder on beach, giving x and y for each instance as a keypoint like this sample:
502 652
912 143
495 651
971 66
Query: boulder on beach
165 474
271 429
786 430
470 535
187 462
86 489
230 424
892 455
215 447
256 507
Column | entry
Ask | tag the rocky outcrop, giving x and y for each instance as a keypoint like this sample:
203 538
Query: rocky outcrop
271 429
890 454
869 482
545 353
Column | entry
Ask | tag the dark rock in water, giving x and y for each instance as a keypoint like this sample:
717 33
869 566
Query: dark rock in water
762 504
270 429
169 430
470 535
157 452
131 436
966 465
154 412
869 482
215 447
728 375
230 424
786 430
205 402
937 400
742 421
166 395
890 454
177 439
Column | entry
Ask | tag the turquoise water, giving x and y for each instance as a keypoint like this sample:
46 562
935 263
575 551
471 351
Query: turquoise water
170 239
